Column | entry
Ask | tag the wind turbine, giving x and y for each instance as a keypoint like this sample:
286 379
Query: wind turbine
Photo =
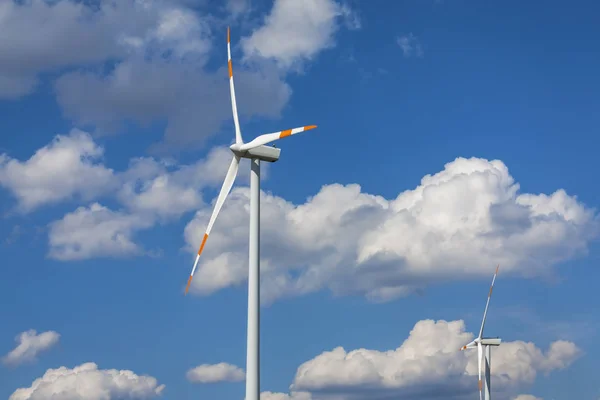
480 342
256 151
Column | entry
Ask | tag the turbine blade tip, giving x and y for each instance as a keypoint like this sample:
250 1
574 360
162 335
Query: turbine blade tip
309 127
228 36
187 287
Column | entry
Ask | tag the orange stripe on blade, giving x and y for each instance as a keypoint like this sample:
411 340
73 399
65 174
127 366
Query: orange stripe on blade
230 69
202 244
285 133
309 127
228 37
480 385
187 287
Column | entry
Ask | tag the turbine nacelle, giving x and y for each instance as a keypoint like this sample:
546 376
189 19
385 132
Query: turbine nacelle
263 153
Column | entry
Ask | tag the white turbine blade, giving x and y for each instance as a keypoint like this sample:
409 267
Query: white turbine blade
227 184
269 137
238 133
488 303
479 355
469 345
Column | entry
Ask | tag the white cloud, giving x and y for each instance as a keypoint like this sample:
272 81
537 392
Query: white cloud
158 71
152 188
410 45
194 103
183 31
457 224
112 71
297 31
527 397
67 167
426 365
30 344
284 396
222 372
71 165
149 191
39 36
87 382
95 231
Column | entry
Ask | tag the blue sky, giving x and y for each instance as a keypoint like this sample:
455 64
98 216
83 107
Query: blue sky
452 136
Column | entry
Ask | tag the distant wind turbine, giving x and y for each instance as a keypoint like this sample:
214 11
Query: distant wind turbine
480 342
256 151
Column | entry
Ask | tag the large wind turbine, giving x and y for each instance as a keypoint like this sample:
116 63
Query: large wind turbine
256 151
480 342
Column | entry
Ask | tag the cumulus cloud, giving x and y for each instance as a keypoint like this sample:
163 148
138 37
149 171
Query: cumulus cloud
457 224
194 103
222 372
95 231
88 382
111 71
284 396
156 188
30 345
67 167
526 397
296 31
71 166
149 191
39 36
426 365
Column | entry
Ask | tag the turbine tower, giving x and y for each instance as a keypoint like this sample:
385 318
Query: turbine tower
484 349
256 151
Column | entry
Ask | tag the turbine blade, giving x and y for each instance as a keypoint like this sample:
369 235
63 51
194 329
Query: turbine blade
269 137
469 345
238 133
488 302
479 355
227 184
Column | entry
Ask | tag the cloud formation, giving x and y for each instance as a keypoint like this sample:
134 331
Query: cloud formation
296 31
41 36
149 191
87 382
111 71
29 345
68 167
457 224
94 231
212 373
426 365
